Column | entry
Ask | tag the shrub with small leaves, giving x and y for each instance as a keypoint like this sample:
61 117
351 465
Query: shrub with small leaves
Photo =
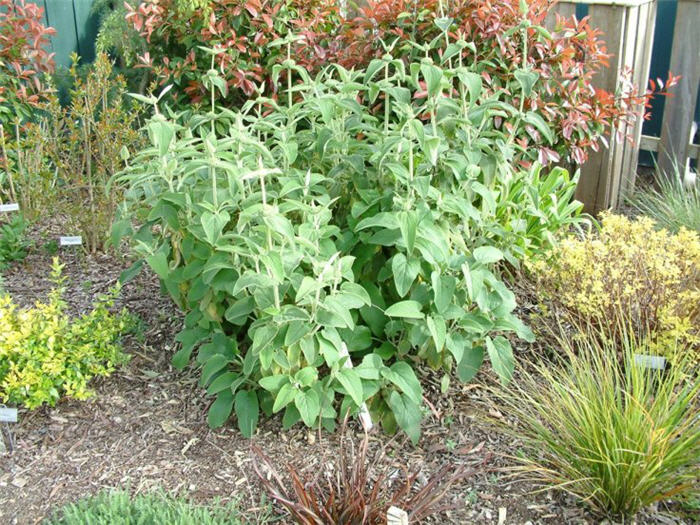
83 143
627 274
46 355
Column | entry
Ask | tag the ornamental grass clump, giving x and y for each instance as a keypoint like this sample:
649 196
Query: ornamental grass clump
45 355
629 273
357 487
671 202
598 425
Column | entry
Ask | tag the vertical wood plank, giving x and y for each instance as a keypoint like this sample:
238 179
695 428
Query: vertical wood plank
65 41
86 25
678 109
642 63
629 31
564 9
594 186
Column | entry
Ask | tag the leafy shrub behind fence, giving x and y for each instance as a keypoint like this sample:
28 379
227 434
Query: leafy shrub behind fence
499 40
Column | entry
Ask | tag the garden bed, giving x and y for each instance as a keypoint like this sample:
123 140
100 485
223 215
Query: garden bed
146 427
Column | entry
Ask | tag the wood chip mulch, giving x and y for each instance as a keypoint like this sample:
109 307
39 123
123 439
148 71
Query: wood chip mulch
145 428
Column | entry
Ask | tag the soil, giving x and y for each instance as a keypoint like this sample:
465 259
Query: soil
146 428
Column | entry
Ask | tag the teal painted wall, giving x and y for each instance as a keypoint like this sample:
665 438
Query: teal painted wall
76 28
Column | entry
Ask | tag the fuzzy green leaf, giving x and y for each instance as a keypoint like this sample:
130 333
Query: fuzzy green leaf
407 309
247 412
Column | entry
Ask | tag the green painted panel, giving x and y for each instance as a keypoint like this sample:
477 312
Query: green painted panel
60 16
76 29
86 24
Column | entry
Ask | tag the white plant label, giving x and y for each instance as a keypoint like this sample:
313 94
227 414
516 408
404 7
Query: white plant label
8 415
655 362
365 416
76 240
12 206
396 516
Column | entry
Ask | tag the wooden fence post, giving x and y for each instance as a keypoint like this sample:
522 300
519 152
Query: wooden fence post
628 28
679 108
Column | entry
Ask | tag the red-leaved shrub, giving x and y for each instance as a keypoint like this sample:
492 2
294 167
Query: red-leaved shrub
24 58
502 39
565 59
243 30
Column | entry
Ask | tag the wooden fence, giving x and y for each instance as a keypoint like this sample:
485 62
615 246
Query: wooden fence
609 174
608 177
675 148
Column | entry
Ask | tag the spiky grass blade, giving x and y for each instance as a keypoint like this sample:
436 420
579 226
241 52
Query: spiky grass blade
616 435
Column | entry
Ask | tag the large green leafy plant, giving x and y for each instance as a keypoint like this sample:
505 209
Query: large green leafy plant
302 237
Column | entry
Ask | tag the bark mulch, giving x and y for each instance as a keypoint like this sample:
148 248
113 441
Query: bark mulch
146 428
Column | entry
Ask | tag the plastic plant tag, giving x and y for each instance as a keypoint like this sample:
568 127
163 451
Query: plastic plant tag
396 516
76 240
655 362
12 206
8 415
365 416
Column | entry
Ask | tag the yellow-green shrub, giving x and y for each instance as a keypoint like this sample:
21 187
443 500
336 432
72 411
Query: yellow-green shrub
44 354
628 274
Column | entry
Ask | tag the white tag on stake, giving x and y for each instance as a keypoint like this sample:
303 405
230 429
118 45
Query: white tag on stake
396 516
655 362
8 415
12 206
76 240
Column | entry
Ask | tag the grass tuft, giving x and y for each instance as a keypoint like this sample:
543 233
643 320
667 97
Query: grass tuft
616 435
670 204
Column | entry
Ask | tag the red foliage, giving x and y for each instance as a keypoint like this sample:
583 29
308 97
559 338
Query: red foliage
241 29
23 52
566 59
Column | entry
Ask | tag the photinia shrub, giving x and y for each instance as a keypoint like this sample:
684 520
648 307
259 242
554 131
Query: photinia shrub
500 39
244 31
23 58
303 236
504 37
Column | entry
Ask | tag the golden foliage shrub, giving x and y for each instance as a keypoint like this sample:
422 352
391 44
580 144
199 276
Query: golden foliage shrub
46 355
627 274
